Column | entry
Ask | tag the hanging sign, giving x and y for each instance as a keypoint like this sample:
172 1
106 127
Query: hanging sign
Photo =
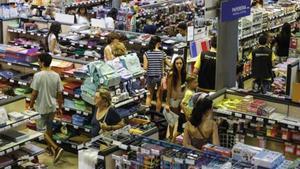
235 9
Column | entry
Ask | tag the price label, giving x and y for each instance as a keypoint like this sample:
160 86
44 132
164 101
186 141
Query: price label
80 146
75 127
249 117
85 113
81 45
58 141
155 152
250 135
102 38
165 48
190 161
9 150
291 127
134 148
100 157
73 43
271 122
99 48
117 143
20 83
238 115
24 84
67 109
64 123
136 98
77 96
123 147
222 111
74 146
66 93
179 160
259 119
90 47
34 68
87 130
9 64
130 42
145 151
143 44
39 34
12 81
67 76
176 50
8 167
78 112
2 153
31 33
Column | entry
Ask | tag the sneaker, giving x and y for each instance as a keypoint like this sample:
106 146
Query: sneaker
58 154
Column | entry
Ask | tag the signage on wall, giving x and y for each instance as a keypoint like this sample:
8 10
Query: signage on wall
235 9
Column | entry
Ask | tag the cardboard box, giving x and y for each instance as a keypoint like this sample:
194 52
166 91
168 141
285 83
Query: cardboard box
296 93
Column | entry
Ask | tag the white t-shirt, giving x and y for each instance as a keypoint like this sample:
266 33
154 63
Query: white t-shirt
109 23
82 20
51 38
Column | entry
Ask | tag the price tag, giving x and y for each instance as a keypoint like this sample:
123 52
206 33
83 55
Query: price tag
90 47
249 117
190 162
9 150
9 64
80 146
34 68
73 43
2 153
24 84
238 115
250 135
64 39
134 148
130 42
176 50
77 78
259 119
102 38
87 130
143 44
225 112
20 83
39 34
123 146
179 160
78 112
31 33
12 81
136 98
133 80
99 48
291 127
100 157
155 152
66 93
67 76
74 146
271 122
145 151
165 48
8 167
64 123
77 96
81 45
75 127
85 113
67 109
58 141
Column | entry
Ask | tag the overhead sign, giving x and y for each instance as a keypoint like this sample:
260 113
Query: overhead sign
235 9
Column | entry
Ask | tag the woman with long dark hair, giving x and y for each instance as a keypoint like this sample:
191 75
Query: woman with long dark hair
82 16
283 41
175 90
52 43
154 62
201 129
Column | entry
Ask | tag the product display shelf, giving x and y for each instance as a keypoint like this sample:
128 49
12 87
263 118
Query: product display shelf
22 31
12 124
89 3
64 123
22 64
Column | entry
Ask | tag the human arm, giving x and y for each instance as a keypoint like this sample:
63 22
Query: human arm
108 54
52 48
215 134
145 63
34 95
187 142
59 96
169 92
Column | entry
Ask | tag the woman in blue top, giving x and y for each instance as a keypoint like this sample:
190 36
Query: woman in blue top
105 118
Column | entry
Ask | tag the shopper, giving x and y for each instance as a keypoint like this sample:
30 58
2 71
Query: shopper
201 129
282 42
82 16
192 84
297 26
47 90
113 38
182 32
154 62
205 67
119 49
262 62
175 90
52 43
111 18
150 26
106 118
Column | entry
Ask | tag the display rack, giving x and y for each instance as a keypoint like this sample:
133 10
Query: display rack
20 125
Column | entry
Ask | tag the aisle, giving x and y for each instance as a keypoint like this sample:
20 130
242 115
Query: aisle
68 160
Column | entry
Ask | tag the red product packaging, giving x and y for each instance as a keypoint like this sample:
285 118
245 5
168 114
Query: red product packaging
286 135
289 148
225 152
298 150
296 136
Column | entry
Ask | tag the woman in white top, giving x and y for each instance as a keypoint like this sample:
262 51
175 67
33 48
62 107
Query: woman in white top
113 38
111 18
82 16
53 45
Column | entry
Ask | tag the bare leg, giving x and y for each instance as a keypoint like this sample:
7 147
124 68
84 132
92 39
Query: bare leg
159 99
149 96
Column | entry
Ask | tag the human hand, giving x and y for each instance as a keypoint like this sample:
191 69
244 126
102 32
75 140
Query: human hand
167 107
59 112
103 126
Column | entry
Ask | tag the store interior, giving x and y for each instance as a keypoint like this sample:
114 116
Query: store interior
132 84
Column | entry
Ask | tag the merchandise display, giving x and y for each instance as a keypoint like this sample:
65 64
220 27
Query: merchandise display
102 115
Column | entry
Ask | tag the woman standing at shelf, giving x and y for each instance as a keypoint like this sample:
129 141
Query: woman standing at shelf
82 16
111 18
53 45
201 129
113 38
106 118
283 41
175 91
154 61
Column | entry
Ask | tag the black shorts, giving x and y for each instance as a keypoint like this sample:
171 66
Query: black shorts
181 122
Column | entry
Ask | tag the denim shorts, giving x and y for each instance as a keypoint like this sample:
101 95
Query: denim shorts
45 122
153 81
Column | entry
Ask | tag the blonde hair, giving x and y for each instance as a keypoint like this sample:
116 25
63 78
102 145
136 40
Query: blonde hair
190 79
119 49
105 95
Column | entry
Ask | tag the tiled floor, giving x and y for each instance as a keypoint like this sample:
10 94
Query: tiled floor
68 160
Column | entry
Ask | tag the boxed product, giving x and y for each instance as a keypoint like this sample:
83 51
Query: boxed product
267 159
243 152
221 151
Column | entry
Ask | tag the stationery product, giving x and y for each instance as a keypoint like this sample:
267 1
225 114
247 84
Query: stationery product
14 135
16 116
3 117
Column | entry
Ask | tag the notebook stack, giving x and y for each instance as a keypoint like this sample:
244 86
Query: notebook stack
13 135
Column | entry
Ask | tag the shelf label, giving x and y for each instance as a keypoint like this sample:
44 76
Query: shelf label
8 167
58 141
67 109
102 38
77 95
67 76
85 113
34 68
155 152
291 127
123 146
16 147
145 151
165 48
238 115
9 150
66 93
2 153
190 162
31 33
75 127
39 34
74 146
249 117
134 148
100 157
80 146
81 45
179 160
130 42
87 130
222 111
259 119
9 64
271 122
78 112
143 44
64 123
250 135
12 81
